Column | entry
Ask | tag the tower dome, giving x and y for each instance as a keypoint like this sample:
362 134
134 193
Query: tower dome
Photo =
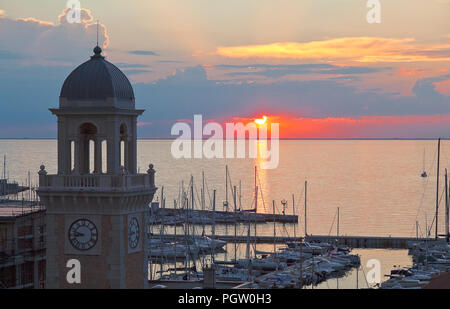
97 83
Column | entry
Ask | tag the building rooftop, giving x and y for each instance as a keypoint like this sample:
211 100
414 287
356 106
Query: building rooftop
11 209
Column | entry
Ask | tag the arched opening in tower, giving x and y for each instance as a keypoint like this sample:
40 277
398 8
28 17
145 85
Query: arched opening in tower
90 149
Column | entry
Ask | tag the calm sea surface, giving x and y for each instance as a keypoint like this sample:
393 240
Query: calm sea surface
375 183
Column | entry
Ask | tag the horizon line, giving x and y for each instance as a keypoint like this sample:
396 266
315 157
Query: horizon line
281 138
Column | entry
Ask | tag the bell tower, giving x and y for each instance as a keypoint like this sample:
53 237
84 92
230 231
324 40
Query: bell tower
97 204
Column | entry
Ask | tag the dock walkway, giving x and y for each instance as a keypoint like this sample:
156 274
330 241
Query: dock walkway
373 242
229 216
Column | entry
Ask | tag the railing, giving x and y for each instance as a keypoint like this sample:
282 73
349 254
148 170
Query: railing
97 181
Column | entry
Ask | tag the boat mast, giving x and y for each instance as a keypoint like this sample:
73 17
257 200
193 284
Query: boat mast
161 231
186 228
437 187
447 236
240 196
306 192
175 233
203 190
213 232
256 194
417 229
192 223
274 230
226 188
203 201
338 222
235 223
293 212
256 209
247 252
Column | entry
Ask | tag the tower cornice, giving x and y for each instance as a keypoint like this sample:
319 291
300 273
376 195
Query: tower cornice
96 111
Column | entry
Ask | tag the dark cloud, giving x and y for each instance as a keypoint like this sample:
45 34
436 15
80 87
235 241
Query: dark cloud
26 93
143 53
346 77
425 90
7 55
133 72
124 65
170 61
39 41
189 92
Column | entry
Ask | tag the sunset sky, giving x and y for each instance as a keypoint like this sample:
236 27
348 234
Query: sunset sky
314 66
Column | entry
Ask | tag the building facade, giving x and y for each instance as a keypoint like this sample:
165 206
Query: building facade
22 245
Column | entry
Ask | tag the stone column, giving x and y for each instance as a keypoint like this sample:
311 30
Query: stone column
130 156
76 157
68 157
62 147
126 154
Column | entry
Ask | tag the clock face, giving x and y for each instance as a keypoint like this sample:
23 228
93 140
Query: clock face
133 233
83 234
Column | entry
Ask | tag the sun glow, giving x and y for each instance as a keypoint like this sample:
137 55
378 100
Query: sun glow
261 121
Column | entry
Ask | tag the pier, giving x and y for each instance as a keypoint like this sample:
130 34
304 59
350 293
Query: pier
370 242
229 216
232 238
367 242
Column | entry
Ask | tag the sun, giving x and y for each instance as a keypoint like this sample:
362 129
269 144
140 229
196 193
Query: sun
261 121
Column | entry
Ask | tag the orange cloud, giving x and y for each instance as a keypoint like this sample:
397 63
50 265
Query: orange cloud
410 72
362 49
36 21
361 127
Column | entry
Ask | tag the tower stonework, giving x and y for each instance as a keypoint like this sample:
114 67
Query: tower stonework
97 204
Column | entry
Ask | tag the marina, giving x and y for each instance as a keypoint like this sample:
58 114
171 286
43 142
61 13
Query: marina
430 261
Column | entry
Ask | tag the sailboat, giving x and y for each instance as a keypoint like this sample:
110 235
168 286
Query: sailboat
424 173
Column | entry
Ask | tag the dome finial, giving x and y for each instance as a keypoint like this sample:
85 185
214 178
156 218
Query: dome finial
97 49
97 52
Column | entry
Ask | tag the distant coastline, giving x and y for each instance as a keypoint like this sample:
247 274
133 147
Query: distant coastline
286 139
